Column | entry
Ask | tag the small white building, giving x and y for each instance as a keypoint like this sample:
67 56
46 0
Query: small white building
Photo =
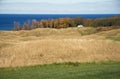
79 26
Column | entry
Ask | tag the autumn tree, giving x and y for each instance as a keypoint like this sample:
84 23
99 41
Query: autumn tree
87 22
78 21
70 22
51 23
43 23
56 23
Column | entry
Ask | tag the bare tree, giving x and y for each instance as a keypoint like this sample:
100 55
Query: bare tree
16 26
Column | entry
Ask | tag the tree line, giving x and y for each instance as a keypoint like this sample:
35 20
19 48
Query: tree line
68 22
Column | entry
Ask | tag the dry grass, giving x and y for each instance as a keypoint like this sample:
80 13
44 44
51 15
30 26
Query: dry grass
43 46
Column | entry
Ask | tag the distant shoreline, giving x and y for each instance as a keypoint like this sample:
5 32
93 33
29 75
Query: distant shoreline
7 20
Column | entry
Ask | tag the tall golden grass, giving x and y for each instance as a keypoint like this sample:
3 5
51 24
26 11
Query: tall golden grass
43 46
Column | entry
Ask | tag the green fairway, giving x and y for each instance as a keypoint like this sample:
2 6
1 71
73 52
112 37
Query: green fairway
108 70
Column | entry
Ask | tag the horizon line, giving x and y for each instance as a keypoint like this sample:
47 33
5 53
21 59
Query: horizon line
59 13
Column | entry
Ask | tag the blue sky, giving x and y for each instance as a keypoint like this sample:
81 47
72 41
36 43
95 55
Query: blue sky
59 7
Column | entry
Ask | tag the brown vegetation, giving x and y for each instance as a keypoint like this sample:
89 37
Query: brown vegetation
43 46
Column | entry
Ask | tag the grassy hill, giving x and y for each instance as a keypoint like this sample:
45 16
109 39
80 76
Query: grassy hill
46 46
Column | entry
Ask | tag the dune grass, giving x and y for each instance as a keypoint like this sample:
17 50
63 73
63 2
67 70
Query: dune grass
46 46
106 70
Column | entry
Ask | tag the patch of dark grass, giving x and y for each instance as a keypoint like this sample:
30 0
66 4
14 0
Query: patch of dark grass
114 38
87 31
4 45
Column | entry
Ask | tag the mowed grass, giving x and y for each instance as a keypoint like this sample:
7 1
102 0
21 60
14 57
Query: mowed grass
106 70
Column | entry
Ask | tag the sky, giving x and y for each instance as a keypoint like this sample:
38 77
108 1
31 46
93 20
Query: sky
59 7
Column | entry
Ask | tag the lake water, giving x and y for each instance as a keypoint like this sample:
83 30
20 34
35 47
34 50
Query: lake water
7 20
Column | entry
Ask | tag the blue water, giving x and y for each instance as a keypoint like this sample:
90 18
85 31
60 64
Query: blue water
7 20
